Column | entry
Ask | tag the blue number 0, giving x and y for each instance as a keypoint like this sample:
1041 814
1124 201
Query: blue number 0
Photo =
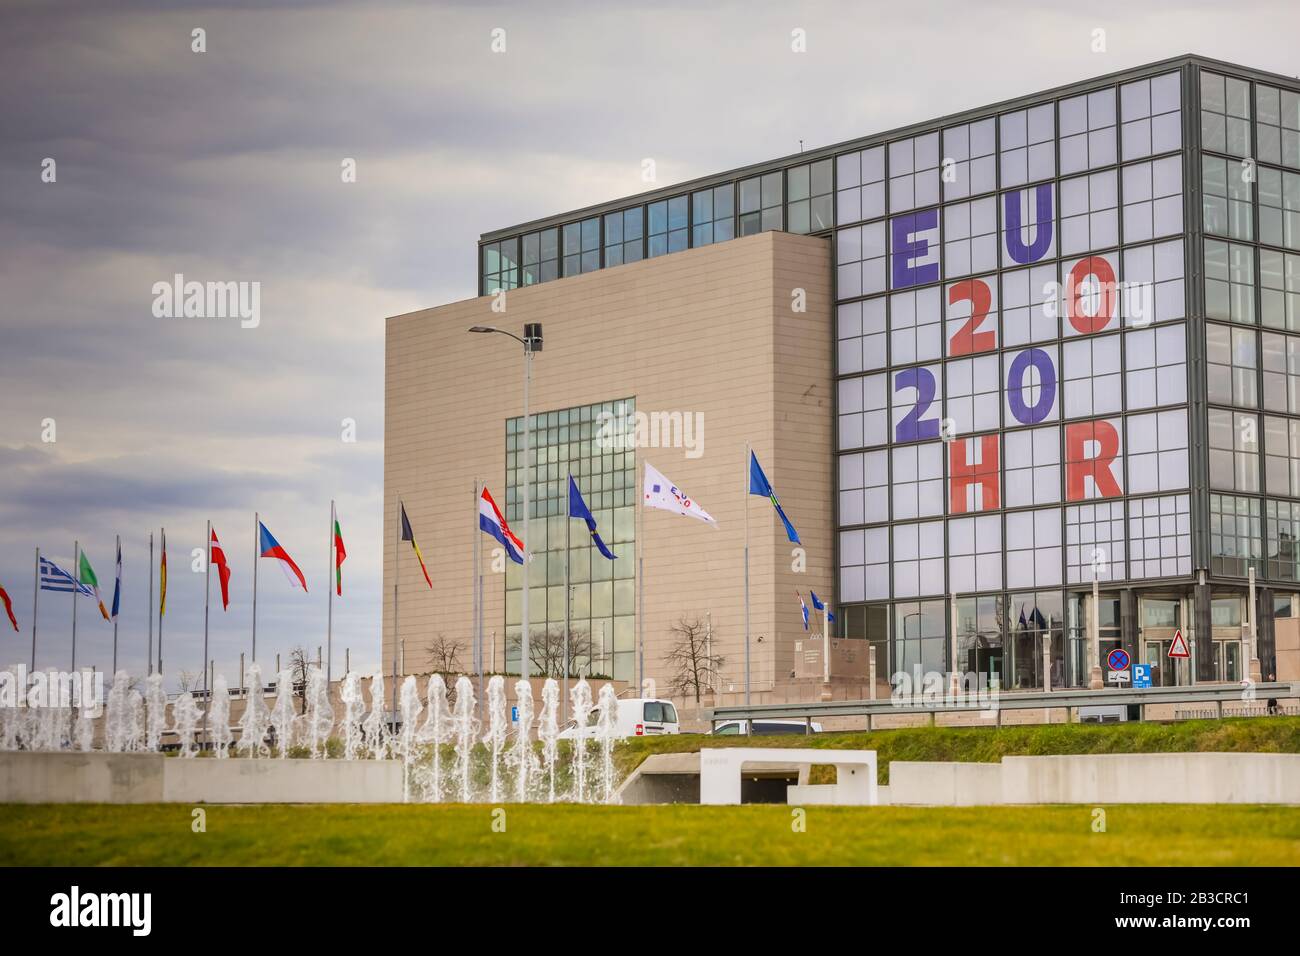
1031 414
911 428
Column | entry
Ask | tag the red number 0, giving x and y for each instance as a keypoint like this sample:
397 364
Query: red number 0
967 340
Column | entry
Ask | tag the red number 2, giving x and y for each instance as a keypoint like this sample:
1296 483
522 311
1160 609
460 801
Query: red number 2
967 340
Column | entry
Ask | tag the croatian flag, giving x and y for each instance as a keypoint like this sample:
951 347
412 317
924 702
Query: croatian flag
803 609
491 520
270 548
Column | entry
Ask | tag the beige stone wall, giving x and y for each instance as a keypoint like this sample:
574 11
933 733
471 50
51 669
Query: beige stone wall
708 330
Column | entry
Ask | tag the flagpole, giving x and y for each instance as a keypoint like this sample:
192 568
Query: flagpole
256 551
149 654
329 618
36 595
568 521
162 601
748 454
207 591
640 585
76 587
117 594
476 592
826 641
397 557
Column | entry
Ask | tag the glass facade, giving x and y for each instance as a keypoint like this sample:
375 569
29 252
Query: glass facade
582 442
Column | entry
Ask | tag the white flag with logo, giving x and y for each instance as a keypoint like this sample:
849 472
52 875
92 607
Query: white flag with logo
661 493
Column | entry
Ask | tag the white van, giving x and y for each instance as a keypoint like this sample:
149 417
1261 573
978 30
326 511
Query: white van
637 717
763 728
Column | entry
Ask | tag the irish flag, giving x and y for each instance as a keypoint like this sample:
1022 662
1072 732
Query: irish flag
340 553
270 548
86 575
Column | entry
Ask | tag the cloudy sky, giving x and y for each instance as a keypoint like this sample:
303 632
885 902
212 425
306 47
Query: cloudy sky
225 165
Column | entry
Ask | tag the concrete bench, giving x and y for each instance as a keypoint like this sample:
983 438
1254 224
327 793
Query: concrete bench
855 773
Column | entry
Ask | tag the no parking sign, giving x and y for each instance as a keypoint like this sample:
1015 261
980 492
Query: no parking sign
1118 662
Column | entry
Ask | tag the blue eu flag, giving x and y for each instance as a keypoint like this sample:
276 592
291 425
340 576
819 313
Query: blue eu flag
759 485
578 509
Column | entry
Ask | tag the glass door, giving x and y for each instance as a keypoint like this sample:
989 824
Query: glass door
1159 618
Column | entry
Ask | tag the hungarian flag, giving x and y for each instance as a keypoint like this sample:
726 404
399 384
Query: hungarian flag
9 606
268 547
409 535
340 555
223 569
86 575
162 578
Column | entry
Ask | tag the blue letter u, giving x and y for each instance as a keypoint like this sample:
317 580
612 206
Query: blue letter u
1018 251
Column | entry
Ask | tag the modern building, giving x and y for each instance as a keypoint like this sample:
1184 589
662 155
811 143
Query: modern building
986 361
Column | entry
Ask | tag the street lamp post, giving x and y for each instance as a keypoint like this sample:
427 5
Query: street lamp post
532 342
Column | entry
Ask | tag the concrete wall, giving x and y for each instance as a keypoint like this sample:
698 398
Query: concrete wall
1153 778
153 778
945 784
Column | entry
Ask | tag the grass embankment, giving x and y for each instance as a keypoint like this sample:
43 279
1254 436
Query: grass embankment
565 834
991 744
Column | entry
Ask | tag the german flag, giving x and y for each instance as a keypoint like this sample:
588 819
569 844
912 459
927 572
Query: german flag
409 535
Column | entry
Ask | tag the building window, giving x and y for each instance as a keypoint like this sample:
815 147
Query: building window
1281 373
761 199
975 554
860 260
974 394
1231 366
1277 125
1028 145
541 256
920 637
864 564
714 215
1234 534
623 236
864 411
918 481
1159 536
972 147
979 638
810 197
1225 114
1154 277
1234 450
1229 281
1029 312
1031 616
1156 446
1283 556
1155 366
1151 116
500 265
1089 213
1279 279
970 237
1153 199
1034 548
915 326
860 178
914 172
1227 198
1282 456
864 488
1279 208
1033 466
1088 131
1094 542
1031 395
918 559
668 230
1092 376
581 246
861 331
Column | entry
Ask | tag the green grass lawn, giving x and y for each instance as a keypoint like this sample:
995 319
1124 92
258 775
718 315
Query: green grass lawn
646 836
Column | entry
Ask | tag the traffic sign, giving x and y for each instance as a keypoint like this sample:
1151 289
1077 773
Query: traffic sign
1118 659
1118 677
1141 676
1178 647
514 715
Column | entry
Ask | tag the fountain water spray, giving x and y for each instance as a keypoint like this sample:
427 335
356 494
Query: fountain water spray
354 709
580 701
219 717
466 728
320 714
498 727
155 699
607 735
521 754
186 714
116 717
11 717
436 732
282 716
135 728
376 724
548 729
257 716
409 703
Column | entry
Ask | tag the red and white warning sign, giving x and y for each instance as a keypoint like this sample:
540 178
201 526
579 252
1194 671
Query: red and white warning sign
1178 646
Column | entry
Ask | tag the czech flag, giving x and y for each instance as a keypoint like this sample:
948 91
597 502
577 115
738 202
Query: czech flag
270 548
491 520
223 566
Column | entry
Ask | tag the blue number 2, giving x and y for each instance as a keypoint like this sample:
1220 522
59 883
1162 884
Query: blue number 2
911 428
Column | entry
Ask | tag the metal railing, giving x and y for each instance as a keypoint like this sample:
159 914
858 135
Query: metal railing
1214 694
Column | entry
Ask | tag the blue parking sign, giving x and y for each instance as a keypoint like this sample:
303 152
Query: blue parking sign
514 715
1141 675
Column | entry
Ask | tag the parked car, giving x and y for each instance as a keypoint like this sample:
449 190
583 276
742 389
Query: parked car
764 727
637 717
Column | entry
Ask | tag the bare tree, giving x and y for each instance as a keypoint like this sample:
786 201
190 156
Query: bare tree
693 668
444 653
300 663
187 680
546 652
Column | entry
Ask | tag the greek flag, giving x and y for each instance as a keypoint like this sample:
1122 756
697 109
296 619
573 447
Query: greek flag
54 578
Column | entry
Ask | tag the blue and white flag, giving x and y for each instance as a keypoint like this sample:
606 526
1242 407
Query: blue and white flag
803 609
54 578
